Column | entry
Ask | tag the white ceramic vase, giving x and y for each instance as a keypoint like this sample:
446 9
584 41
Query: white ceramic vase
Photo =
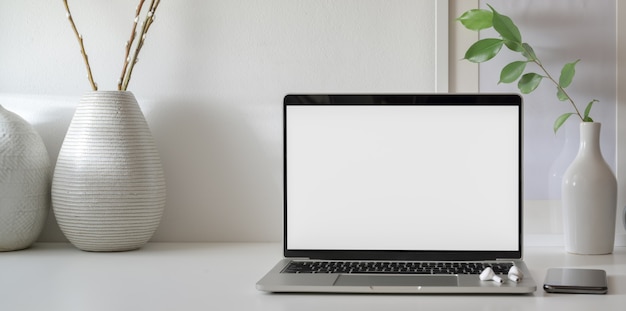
108 188
589 196
25 174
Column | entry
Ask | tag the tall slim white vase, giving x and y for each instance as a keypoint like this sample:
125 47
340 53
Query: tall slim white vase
589 196
108 189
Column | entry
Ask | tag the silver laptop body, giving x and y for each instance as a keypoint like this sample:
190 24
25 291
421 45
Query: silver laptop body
401 179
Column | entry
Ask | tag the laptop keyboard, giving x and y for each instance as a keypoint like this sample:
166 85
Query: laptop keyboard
393 267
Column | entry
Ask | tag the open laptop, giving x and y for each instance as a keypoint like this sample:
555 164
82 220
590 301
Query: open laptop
400 194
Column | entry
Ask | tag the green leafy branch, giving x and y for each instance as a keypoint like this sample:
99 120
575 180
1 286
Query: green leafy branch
486 49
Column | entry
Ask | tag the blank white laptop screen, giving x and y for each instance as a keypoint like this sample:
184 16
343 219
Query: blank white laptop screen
402 177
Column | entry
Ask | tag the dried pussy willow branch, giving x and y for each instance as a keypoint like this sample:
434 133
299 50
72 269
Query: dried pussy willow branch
129 44
94 85
129 63
130 59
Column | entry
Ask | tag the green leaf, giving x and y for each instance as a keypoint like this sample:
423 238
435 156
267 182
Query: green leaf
511 72
567 74
514 46
560 94
483 50
476 19
586 117
560 120
507 29
529 82
529 52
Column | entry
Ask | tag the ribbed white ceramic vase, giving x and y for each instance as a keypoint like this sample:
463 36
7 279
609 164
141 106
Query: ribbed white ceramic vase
589 196
108 188
25 175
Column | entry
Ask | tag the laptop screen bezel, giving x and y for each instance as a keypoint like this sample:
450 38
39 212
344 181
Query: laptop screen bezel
402 99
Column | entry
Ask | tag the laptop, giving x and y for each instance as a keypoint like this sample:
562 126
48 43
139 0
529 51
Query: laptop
401 194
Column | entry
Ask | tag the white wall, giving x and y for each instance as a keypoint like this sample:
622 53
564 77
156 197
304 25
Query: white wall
211 80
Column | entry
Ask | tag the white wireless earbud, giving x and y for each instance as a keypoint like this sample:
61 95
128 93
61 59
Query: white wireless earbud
489 275
515 274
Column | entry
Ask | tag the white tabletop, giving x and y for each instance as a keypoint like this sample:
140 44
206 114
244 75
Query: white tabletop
222 276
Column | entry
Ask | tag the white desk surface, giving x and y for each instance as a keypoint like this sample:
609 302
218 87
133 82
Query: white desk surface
203 276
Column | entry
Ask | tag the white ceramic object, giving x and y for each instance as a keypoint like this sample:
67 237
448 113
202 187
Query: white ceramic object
25 174
589 196
108 189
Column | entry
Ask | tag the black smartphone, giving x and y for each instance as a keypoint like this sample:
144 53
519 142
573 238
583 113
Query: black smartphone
576 281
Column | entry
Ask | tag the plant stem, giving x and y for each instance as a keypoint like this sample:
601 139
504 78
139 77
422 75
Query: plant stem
94 85
562 90
559 88
142 37
129 44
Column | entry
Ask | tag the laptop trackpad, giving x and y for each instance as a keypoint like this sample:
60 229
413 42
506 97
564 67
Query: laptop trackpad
396 280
